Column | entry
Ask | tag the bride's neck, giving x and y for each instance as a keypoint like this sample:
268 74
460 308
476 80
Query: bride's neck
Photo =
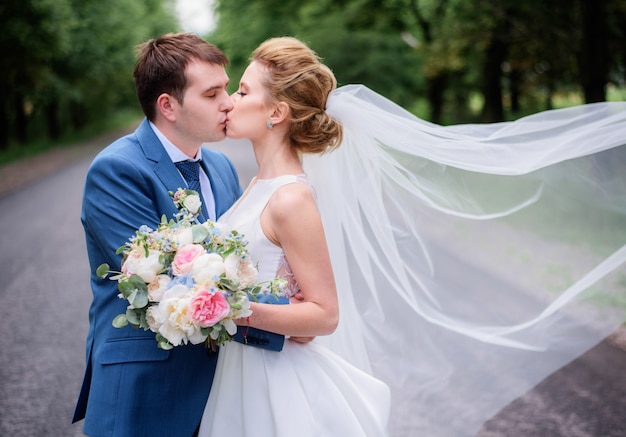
276 161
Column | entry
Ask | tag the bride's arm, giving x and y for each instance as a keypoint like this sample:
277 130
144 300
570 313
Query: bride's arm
291 220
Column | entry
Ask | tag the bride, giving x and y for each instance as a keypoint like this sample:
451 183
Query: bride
305 389
468 262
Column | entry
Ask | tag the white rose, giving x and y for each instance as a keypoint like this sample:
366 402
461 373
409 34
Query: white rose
157 287
193 203
173 314
241 271
146 268
159 315
248 274
231 266
230 326
183 237
207 267
152 317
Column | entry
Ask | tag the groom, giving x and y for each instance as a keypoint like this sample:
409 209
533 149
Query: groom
131 387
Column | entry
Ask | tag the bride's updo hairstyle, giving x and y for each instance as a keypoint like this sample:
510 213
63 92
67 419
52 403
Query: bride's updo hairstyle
295 75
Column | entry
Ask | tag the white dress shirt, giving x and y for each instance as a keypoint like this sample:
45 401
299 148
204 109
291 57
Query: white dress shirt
176 155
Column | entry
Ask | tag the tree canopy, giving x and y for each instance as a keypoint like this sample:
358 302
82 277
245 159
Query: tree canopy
507 57
66 63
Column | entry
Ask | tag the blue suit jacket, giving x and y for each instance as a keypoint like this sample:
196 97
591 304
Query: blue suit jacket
131 387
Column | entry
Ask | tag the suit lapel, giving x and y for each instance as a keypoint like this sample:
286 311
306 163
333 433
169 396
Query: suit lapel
166 171
164 168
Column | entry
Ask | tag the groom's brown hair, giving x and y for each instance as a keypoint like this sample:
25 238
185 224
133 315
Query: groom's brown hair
161 64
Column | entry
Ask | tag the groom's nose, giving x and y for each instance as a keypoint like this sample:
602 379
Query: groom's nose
226 104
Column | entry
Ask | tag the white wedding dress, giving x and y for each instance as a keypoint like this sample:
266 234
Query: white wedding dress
305 390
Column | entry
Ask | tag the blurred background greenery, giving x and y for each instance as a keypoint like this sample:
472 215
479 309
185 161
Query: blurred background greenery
66 65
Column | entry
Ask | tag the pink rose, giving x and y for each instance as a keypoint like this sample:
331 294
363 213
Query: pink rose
184 258
206 308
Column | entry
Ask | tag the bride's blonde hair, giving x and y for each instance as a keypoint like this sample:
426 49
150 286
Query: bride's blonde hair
295 75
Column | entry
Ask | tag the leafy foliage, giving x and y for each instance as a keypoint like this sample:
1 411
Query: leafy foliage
512 57
66 63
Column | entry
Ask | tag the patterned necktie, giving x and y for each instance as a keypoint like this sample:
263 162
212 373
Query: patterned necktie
191 172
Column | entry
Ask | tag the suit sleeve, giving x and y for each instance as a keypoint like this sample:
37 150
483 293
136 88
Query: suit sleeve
117 200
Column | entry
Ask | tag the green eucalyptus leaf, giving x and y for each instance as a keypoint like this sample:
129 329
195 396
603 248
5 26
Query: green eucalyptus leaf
126 288
103 270
138 283
120 321
131 297
163 342
144 320
132 317
200 233
139 299
165 345
229 284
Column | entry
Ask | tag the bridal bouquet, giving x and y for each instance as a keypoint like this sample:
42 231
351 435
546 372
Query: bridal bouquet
187 281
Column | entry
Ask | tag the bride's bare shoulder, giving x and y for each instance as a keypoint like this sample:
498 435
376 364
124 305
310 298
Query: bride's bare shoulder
293 195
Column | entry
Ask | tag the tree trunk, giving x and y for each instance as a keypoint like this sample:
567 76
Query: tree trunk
78 115
21 120
435 89
593 61
4 119
515 79
493 110
52 120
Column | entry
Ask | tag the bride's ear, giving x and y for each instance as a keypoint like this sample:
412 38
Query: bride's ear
281 113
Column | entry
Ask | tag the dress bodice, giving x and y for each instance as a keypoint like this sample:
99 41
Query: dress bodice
245 217
265 381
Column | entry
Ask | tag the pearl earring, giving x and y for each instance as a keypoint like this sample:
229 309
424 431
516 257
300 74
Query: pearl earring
270 125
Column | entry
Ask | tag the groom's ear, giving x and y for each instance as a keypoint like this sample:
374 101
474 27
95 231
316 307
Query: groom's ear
281 112
165 105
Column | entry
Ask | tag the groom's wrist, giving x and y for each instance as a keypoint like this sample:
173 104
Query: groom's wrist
259 338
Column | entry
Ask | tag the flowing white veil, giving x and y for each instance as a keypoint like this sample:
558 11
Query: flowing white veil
474 260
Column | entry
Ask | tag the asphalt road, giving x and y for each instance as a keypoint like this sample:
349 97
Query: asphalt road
44 299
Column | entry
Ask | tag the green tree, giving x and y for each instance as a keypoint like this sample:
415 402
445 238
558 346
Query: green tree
513 57
67 63
30 41
352 37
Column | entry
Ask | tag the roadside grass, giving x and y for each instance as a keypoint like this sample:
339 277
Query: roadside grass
116 120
